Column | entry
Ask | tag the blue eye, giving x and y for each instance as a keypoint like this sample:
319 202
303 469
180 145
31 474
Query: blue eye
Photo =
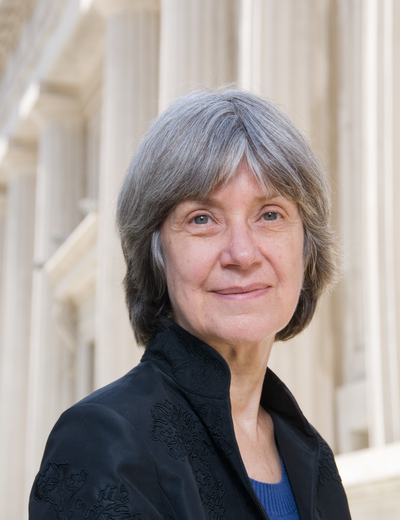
201 219
271 215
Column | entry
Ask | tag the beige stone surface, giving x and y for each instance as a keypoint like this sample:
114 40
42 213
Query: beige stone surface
197 46
376 500
129 103
372 480
20 163
80 81
58 191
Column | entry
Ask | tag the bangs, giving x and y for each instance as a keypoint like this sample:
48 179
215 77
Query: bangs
207 154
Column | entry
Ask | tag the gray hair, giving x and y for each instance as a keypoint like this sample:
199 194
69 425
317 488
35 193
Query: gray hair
196 145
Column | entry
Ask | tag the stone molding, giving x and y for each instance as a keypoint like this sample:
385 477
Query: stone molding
52 106
19 157
370 465
72 268
114 7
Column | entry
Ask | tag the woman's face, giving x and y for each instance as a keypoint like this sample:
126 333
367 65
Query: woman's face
234 263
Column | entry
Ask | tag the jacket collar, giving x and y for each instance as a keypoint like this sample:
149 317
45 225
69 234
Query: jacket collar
201 370
194 365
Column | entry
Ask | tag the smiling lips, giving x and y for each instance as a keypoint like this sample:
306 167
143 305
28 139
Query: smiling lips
243 292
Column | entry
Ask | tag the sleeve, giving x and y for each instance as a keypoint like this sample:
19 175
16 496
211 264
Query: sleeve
96 466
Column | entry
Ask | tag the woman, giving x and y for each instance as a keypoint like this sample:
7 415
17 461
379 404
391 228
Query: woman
223 218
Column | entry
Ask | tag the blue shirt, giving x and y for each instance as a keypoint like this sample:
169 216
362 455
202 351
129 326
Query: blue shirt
277 499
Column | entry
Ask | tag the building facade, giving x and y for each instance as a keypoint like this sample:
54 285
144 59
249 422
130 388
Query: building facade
80 80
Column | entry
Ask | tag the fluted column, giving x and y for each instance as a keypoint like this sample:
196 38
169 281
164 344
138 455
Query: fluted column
129 103
3 206
379 234
393 109
349 184
283 52
198 43
20 164
368 162
60 182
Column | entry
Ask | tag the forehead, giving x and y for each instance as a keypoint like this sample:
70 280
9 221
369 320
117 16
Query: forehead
243 183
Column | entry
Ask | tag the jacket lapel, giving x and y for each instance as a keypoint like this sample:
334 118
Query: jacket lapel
296 441
301 458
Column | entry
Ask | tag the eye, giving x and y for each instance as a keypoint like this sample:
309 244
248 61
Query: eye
271 215
201 219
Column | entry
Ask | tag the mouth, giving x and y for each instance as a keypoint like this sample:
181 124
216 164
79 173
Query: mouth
244 292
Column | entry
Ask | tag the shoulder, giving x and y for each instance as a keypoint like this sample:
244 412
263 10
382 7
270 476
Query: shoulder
127 394
96 457
88 426
90 459
113 415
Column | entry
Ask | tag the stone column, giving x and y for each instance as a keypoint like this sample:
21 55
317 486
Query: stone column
198 46
129 103
352 422
20 164
368 156
60 186
282 55
3 206
378 235
395 107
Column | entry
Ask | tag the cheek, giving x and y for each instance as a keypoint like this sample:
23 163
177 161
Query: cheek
290 263
187 269
187 277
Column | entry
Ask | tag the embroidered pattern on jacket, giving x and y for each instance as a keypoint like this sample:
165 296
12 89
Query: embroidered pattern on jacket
57 486
211 415
327 469
186 439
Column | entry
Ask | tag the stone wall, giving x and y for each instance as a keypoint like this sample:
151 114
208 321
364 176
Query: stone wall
80 80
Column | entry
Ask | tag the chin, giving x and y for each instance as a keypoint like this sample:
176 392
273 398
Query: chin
239 331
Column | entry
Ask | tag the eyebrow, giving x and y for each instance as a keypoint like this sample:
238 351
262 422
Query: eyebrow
263 198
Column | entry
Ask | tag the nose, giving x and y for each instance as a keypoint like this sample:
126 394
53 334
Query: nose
240 248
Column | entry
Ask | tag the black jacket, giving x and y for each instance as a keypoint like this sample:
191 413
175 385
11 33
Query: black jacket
159 444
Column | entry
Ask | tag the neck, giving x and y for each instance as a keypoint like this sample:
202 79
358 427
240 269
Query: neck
253 426
248 366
